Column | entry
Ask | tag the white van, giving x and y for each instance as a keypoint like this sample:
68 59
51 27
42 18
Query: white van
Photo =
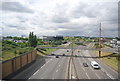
95 65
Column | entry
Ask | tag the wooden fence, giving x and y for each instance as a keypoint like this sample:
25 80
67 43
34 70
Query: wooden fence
14 64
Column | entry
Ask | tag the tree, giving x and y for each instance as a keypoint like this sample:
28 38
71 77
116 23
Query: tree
32 40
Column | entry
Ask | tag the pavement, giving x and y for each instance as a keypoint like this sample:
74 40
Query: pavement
50 67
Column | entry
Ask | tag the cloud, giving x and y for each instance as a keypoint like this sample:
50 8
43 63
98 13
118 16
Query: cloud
16 7
83 9
60 17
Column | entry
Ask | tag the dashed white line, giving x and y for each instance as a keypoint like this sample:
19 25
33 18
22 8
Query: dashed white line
47 61
82 67
110 76
52 78
35 72
97 76
56 70
59 65
91 69
107 74
88 76
42 78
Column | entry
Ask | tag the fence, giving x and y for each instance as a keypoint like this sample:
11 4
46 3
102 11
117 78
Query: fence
12 65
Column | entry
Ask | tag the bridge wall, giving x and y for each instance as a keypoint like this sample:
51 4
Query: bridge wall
14 64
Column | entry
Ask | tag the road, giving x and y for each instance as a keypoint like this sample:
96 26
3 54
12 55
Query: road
50 67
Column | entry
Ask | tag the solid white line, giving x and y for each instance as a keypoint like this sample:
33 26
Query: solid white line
35 72
59 65
30 77
43 66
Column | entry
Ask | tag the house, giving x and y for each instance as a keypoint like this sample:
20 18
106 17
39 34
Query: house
52 38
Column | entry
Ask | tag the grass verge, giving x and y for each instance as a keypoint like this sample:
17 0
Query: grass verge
111 61
8 54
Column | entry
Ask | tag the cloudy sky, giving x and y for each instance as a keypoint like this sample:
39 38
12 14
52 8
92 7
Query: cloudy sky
59 17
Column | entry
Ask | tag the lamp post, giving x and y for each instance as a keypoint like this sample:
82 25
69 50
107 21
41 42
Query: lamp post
100 42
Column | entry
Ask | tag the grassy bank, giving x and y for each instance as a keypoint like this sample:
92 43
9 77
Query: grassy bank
46 50
74 45
111 61
8 54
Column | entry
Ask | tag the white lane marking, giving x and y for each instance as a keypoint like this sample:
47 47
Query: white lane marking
82 66
59 65
30 78
42 78
47 61
88 76
108 74
97 75
105 71
92 69
56 70
52 78
43 66
35 72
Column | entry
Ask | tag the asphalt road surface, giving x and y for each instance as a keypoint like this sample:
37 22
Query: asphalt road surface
50 67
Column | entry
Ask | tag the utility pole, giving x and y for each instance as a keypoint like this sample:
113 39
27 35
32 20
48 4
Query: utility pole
100 41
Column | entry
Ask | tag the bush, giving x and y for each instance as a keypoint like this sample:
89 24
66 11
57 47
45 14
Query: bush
96 45
43 49
20 53
118 58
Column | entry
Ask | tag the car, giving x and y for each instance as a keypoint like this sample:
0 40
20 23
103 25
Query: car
63 54
57 56
85 64
95 65
67 50
52 54
75 55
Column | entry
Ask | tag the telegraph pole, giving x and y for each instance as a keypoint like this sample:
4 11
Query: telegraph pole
100 41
